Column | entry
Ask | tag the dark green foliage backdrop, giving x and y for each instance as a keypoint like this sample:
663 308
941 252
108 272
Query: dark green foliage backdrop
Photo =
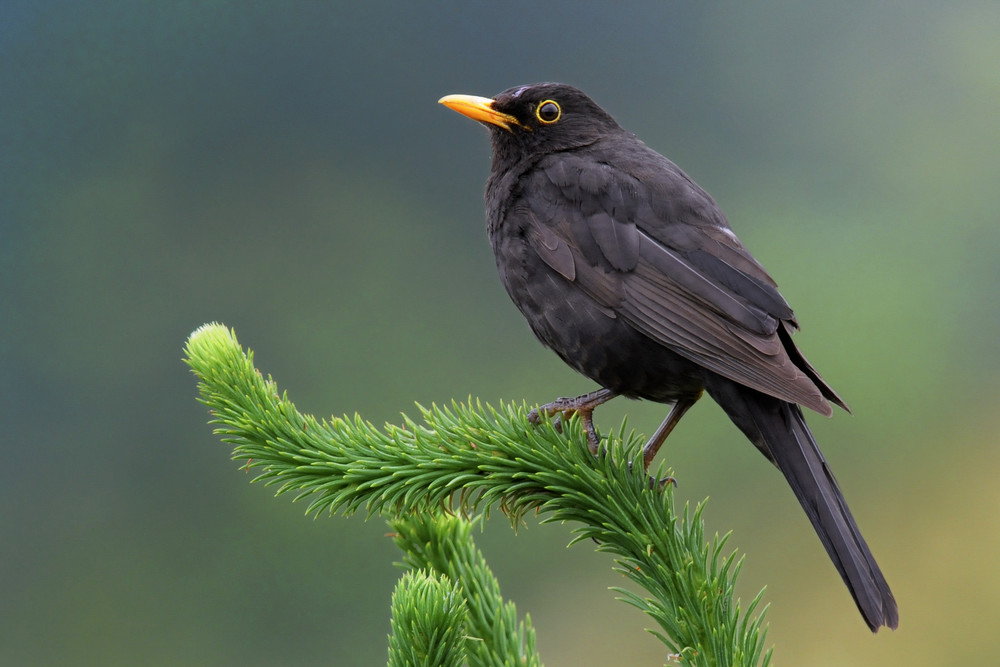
283 167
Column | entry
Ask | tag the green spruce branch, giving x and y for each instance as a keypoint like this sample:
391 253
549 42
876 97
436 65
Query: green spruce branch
443 544
428 622
473 457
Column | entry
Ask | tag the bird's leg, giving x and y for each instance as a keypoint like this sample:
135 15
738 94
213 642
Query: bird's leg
581 405
676 412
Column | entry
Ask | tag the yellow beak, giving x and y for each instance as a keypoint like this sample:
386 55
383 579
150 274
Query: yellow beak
479 108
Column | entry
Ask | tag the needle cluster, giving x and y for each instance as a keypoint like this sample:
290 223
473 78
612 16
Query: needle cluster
469 458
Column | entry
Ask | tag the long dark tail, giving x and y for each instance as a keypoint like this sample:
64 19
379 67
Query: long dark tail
779 430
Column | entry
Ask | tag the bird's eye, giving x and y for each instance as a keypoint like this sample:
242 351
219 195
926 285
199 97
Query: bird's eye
548 112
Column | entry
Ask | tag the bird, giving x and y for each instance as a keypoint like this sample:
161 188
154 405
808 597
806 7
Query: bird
629 271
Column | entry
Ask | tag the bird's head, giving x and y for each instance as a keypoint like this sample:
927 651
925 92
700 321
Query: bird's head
536 119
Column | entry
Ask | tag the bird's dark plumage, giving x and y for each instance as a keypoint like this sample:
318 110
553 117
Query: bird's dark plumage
629 271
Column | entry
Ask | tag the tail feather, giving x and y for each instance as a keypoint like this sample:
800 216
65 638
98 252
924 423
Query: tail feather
779 430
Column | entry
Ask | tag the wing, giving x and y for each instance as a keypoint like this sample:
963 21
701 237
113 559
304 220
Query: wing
661 256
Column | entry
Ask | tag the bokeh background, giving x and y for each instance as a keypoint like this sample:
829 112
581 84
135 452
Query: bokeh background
283 167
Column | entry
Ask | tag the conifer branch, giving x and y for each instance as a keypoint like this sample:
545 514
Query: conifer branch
444 544
473 457
428 622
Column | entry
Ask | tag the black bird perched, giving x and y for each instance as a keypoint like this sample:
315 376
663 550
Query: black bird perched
630 273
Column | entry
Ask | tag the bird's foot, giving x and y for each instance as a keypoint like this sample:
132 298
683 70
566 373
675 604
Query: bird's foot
657 483
579 405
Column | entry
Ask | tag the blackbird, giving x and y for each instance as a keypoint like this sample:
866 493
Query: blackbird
629 271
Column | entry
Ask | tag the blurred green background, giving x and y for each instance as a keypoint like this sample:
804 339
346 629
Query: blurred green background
283 167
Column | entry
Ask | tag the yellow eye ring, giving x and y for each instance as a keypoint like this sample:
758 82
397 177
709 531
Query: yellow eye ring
548 112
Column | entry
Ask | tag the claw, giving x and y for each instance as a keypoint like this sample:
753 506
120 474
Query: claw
580 405
564 408
662 482
655 483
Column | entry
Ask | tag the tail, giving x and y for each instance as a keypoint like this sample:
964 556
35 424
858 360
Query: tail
779 430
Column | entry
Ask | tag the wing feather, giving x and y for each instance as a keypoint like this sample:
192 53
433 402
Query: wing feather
685 281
